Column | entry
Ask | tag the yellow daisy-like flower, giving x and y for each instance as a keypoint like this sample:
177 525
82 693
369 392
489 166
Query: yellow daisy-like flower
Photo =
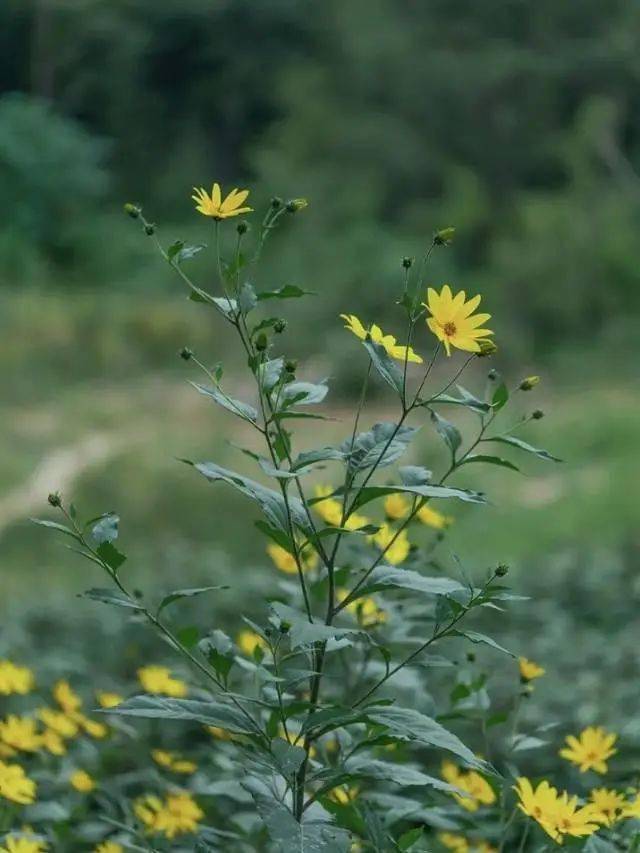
391 346
20 733
529 670
364 609
177 814
172 761
158 679
610 804
109 847
433 518
479 791
24 843
330 510
82 782
15 785
248 641
15 679
286 562
574 821
452 320
591 749
53 742
558 814
632 808
344 795
454 842
396 506
214 205
397 552
66 697
109 700
218 733
58 722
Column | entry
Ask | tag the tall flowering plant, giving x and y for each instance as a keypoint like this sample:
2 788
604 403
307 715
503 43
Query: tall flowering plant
338 716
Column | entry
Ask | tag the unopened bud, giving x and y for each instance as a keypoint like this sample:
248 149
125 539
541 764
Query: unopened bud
537 415
471 657
149 229
444 236
492 374
294 205
132 210
279 326
290 365
55 499
502 570
529 383
407 263
276 202
186 353
285 627
242 227
261 342
487 348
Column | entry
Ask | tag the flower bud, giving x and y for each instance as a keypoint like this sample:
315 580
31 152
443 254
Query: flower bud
444 236
487 348
407 263
537 415
55 499
186 353
502 570
285 627
279 326
276 202
294 205
529 383
492 374
261 342
290 365
242 227
471 657
132 210
149 229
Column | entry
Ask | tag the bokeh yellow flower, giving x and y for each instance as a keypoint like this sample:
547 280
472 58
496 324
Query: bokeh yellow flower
286 562
109 847
15 679
177 814
159 680
397 544
432 518
365 609
479 791
213 205
25 842
218 733
15 785
611 805
529 670
591 749
396 506
344 794
172 761
82 782
376 334
107 699
248 641
453 322
330 510
20 734
66 697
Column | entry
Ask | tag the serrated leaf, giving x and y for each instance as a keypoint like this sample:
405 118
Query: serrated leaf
402 775
109 596
288 756
243 410
269 373
371 493
475 637
385 577
177 594
385 365
54 525
210 713
303 393
302 632
322 454
466 399
378 446
522 445
449 434
489 460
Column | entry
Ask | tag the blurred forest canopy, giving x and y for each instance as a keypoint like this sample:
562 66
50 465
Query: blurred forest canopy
517 122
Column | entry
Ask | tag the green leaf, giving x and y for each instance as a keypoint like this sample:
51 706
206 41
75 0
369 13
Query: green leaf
106 530
414 475
310 457
384 577
174 248
109 596
210 713
288 756
372 493
247 299
449 434
269 373
596 844
229 307
303 393
177 594
302 632
219 650
111 556
378 446
289 291
466 399
500 397
475 637
54 525
243 410
522 445
284 415
272 503
385 365
187 252
289 836
489 460
409 838
398 774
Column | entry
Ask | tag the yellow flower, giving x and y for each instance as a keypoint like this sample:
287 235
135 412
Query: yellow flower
158 679
171 761
247 641
455 843
26 842
177 814
479 791
529 669
20 733
396 506
452 320
15 679
574 821
285 562
610 804
344 795
376 334
590 750
109 700
558 815
433 518
69 701
364 609
15 785
53 742
91 727
109 847
397 544
82 782
213 205
58 722
632 808
218 733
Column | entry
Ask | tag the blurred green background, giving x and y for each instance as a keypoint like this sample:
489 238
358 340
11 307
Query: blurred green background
518 123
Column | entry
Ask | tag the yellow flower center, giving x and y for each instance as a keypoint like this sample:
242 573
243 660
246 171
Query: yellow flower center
450 329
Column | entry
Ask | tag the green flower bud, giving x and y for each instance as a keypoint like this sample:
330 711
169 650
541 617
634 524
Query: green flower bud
132 210
279 326
242 227
261 342
471 657
276 202
529 383
55 499
294 205
537 415
186 353
149 229
444 236
492 374
487 348
290 365
502 570
285 627
407 263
